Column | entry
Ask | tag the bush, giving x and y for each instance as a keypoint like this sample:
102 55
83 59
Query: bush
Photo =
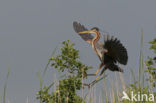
66 91
151 65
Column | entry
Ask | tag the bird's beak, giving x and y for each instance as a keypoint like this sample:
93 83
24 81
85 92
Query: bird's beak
88 31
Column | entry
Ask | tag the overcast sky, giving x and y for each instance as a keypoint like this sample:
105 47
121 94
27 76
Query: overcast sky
31 29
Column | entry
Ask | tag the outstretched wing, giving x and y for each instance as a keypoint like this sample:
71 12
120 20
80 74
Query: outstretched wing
116 51
79 28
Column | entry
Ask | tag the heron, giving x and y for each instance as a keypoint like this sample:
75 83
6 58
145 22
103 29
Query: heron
111 52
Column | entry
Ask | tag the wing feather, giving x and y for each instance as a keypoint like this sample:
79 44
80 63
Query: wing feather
116 51
79 28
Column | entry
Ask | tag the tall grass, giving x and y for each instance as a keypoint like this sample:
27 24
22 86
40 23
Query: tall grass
5 86
141 63
108 95
44 73
138 84
112 96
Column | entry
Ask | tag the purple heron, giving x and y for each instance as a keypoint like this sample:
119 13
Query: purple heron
110 53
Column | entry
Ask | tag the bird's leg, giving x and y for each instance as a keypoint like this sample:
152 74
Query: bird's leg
96 71
98 78
104 68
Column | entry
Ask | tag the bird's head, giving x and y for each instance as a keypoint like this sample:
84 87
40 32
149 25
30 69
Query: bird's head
94 30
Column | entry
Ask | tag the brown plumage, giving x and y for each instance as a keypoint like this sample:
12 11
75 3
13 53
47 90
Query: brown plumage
110 53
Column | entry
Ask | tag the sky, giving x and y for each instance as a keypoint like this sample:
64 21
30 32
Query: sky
31 29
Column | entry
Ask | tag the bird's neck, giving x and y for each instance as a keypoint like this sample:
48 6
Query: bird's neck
94 41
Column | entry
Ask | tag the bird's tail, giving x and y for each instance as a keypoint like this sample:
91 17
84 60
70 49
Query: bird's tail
114 67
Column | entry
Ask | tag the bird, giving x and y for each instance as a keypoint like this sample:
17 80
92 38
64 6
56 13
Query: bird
111 52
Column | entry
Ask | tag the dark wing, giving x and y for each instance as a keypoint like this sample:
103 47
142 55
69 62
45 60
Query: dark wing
79 28
116 51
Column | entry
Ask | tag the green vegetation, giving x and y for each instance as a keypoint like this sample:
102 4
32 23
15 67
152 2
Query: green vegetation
66 91
68 63
73 72
139 87
151 65
5 86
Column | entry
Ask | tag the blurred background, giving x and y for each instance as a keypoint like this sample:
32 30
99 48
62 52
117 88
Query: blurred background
31 29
